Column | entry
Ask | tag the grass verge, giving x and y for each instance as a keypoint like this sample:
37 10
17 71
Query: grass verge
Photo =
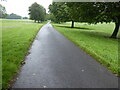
94 39
0 55
17 37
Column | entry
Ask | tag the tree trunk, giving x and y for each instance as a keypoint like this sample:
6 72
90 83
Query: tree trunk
35 21
114 35
72 26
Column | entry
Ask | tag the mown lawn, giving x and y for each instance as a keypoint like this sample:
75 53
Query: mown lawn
17 36
0 55
94 40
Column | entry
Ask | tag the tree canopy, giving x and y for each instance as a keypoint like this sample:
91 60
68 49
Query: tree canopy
13 16
37 12
95 12
89 12
25 17
59 12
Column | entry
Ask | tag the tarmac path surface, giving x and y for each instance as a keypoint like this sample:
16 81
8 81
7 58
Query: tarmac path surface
55 62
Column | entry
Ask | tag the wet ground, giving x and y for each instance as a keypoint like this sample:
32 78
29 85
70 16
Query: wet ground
55 62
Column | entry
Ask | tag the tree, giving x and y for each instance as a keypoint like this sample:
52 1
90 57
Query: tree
59 11
83 12
37 12
110 13
2 11
89 12
25 17
47 16
73 13
62 13
13 16
95 12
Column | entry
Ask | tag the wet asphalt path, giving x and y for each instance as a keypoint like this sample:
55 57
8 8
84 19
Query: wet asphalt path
55 62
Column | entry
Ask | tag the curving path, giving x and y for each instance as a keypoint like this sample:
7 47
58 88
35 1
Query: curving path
55 62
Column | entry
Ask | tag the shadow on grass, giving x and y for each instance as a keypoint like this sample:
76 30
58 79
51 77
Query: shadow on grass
99 35
91 34
76 27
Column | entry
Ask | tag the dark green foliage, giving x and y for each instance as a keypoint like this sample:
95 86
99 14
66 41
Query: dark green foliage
37 12
59 11
13 16
47 16
83 12
95 12
52 18
90 12
110 13
25 17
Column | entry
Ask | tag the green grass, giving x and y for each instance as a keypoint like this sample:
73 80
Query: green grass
17 37
0 55
94 40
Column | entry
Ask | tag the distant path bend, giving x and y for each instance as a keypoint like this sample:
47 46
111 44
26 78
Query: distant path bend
55 62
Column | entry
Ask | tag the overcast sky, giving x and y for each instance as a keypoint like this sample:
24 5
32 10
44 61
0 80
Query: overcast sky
20 7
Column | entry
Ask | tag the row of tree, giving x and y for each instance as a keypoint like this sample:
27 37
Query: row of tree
3 14
13 16
36 12
90 12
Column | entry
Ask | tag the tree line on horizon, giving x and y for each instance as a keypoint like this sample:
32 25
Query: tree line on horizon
88 12
3 14
36 12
